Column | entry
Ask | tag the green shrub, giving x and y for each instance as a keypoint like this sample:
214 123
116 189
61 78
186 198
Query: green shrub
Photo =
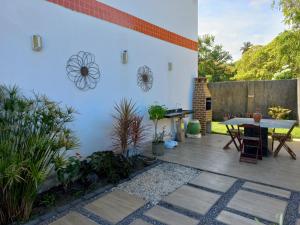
279 113
109 165
67 170
48 200
32 132
283 74
87 175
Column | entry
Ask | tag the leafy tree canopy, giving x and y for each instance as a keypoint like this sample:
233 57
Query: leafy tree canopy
290 10
214 62
263 62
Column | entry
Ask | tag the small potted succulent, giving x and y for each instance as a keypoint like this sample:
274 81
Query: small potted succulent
156 113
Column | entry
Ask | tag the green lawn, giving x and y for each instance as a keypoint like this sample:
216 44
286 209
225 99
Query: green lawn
218 128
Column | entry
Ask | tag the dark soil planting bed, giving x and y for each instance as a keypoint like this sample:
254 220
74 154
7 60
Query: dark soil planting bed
58 199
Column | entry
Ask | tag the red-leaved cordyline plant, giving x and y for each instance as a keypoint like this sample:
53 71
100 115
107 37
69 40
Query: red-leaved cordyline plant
128 129
124 115
138 132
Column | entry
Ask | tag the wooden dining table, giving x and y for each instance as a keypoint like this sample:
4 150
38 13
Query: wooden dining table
265 124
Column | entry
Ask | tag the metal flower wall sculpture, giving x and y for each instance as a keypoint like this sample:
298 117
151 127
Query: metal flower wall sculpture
145 78
83 70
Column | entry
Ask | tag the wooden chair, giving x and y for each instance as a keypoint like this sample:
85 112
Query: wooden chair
235 132
282 139
251 146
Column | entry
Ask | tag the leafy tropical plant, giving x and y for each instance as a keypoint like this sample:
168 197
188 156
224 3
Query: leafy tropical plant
33 131
124 116
109 165
156 113
279 113
67 170
246 46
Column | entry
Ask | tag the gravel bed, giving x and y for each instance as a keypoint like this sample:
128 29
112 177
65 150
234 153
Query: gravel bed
159 181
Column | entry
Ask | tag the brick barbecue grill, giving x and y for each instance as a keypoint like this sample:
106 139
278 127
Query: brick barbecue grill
202 105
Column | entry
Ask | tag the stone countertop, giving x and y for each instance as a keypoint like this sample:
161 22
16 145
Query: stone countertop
178 113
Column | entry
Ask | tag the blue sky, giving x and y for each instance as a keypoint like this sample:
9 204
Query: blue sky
236 21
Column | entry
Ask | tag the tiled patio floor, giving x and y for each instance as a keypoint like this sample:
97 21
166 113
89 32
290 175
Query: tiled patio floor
222 200
225 192
207 154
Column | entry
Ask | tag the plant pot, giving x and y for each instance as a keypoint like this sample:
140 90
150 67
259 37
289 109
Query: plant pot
257 117
158 149
193 127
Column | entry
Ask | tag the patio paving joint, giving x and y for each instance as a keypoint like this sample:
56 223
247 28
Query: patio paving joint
151 221
205 189
265 194
180 210
217 208
136 214
92 216
246 215
293 205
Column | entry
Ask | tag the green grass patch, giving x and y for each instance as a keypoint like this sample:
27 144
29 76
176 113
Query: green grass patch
218 128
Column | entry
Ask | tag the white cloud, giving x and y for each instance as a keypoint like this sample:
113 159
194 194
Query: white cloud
236 21
260 2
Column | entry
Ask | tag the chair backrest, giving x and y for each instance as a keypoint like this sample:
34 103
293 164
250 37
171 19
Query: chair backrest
251 130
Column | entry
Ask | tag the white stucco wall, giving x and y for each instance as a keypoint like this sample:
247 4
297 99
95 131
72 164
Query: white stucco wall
175 15
65 33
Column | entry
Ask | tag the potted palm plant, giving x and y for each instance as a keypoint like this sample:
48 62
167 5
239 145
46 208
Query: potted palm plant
156 113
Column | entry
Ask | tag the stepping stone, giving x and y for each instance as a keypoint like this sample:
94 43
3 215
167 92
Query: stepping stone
115 206
267 189
139 222
258 205
74 218
213 181
170 217
193 199
234 219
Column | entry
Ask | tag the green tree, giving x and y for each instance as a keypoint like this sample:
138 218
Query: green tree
263 62
246 46
290 10
214 62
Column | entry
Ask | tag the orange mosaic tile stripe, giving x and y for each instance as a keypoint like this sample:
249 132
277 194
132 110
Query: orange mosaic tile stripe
113 15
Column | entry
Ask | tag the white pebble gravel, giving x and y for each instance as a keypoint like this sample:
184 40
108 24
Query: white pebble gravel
159 181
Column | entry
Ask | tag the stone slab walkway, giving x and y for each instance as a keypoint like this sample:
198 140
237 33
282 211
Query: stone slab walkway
207 199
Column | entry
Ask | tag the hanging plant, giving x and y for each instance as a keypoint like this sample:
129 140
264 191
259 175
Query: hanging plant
145 78
83 71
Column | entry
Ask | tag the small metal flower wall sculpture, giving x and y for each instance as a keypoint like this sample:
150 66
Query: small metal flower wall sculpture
145 78
83 70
